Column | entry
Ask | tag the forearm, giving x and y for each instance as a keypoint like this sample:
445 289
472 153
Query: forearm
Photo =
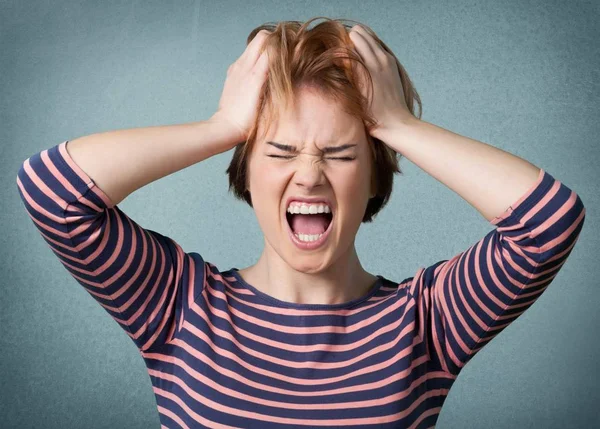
122 161
488 178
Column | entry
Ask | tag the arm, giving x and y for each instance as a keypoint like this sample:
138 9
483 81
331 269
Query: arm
143 279
123 161
464 302
488 178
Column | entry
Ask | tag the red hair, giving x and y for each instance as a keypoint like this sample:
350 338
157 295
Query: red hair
324 59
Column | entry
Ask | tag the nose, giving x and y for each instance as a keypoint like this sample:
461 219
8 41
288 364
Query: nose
309 173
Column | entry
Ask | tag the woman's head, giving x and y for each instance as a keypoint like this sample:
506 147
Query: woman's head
311 100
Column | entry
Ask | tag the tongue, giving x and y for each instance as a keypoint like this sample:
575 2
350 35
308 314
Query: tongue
309 224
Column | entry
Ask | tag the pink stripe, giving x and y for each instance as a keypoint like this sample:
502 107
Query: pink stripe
441 280
429 412
166 412
292 348
435 309
229 281
569 204
105 234
194 415
301 407
199 377
301 330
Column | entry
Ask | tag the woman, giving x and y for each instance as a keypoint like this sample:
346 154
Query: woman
305 337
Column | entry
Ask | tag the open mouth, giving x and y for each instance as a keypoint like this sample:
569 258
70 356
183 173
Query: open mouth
309 228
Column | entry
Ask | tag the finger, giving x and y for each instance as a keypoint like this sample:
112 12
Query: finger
252 52
379 54
358 70
363 47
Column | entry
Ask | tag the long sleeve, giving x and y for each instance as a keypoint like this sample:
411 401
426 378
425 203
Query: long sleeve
464 302
143 279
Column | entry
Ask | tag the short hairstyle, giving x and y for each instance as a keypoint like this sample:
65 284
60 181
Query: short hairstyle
320 58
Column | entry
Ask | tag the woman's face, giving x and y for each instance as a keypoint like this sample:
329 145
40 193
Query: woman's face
341 178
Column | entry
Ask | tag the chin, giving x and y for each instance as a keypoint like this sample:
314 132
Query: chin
307 264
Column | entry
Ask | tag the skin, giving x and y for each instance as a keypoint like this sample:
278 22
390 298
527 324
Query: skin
331 274
488 178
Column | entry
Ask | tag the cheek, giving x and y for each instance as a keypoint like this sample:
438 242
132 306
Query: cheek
270 180
267 186
263 178
353 182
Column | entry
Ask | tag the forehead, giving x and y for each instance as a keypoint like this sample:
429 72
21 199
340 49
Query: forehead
315 121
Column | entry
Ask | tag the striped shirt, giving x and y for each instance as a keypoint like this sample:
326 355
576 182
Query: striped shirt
220 353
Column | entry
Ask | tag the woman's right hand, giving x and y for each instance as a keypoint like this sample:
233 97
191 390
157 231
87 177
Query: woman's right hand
238 105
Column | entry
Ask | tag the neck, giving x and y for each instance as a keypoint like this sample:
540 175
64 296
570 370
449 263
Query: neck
342 281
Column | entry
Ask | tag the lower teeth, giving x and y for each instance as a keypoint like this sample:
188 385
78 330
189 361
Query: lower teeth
308 237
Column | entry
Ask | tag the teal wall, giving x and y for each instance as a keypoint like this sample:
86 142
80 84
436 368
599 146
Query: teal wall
520 75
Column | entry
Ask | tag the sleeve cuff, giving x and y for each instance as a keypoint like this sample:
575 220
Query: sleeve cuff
534 194
83 176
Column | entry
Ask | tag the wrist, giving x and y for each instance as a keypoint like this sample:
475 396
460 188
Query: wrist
227 133
395 127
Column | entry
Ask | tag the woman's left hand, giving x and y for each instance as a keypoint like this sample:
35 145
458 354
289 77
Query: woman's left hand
387 102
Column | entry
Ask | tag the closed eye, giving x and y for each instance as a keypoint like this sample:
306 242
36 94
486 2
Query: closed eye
343 158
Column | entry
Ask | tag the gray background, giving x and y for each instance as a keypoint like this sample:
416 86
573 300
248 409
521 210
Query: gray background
519 75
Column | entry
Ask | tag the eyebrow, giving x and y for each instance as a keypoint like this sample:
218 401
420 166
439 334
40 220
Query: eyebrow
329 149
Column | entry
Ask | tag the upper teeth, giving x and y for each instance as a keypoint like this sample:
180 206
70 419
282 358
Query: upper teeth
303 208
